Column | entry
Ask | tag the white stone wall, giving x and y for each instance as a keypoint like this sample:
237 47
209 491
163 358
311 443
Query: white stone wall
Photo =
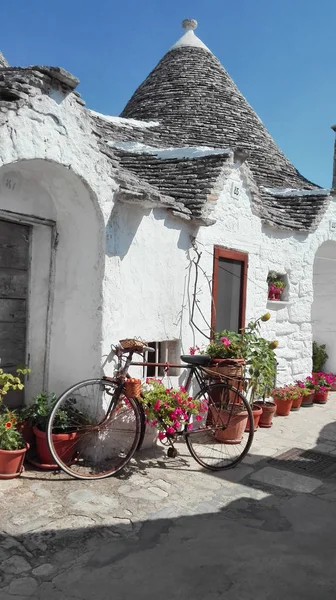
123 270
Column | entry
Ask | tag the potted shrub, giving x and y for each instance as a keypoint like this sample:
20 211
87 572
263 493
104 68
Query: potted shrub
12 445
37 413
13 448
319 357
307 391
323 383
233 353
283 399
276 285
297 397
170 409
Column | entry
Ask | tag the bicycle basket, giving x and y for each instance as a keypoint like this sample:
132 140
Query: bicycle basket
132 344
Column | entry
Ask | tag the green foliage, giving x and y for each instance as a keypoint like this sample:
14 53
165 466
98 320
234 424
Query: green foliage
276 279
320 357
257 352
10 437
287 392
11 382
66 419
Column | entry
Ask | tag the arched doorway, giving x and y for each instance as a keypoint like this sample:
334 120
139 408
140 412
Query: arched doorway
323 308
59 294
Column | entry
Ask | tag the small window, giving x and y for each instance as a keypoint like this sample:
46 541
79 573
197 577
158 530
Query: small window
165 352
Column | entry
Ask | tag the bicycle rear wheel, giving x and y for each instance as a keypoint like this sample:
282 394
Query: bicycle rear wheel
224 436
100 429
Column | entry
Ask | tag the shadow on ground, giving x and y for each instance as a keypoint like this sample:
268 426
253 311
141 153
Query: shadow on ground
269 544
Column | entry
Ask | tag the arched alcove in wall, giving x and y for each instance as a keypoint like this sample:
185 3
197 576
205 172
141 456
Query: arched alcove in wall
323 308
64 263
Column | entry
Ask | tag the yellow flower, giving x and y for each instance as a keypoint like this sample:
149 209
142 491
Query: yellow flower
266 317
274 345
8 425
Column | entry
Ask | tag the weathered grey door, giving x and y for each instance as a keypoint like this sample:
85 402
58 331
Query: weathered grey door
14 261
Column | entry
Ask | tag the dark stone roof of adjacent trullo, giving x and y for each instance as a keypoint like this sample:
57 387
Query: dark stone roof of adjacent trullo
196 103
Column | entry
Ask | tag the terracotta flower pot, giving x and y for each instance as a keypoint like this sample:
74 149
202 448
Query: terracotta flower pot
320 397
236 424
11 462
297 403
257 412
65 444
268 411
308 400
283 407
26 429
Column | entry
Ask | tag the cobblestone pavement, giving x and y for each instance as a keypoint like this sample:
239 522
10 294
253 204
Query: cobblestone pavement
167 526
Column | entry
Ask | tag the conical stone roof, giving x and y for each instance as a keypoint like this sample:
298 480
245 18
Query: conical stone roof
198 104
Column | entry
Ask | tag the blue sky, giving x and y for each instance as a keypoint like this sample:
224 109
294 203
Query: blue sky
281 54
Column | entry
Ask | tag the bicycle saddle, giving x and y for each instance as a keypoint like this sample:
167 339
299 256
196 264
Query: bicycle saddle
196 359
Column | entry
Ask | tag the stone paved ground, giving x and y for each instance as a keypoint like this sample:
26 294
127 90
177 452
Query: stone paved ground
169 528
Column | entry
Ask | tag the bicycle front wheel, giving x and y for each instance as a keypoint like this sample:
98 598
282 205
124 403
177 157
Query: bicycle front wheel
94 429
224 436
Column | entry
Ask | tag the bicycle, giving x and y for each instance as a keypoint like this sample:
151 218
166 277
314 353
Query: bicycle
103 428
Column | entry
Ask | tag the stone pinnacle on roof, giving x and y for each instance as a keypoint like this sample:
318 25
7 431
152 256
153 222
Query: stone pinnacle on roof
3 61
189 38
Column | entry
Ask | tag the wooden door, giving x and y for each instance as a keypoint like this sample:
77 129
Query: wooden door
229 290
14 262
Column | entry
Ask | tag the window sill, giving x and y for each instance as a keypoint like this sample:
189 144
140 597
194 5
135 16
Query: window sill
278 303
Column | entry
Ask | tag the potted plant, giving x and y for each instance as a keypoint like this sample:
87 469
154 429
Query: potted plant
170 409
319 357
307 391
232 352
276 285
12 445
297 397
64 437
283 399
323 383
13 448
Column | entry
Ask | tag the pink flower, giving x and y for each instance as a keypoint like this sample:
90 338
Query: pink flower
225 341
198 418
157 405
170 430
192 351
190 426
161 435
182 389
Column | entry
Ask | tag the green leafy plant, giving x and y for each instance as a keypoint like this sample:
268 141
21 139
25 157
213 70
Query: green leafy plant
66 419
257 352
287 392
10 437
168 409
11 382
276 279
320 357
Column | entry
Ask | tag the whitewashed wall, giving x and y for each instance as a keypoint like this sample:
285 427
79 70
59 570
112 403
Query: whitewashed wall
121 270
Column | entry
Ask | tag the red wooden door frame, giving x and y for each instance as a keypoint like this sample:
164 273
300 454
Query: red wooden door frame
220 252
